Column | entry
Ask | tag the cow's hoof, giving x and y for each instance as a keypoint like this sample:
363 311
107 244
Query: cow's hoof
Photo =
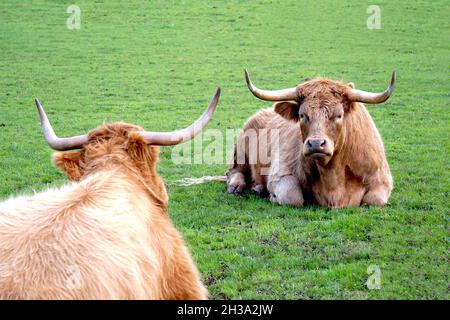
237 189
272 198
236 183
260 190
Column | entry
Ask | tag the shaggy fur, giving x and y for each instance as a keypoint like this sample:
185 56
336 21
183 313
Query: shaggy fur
106 236
356 171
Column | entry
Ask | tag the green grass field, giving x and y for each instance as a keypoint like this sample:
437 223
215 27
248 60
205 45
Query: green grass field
157 64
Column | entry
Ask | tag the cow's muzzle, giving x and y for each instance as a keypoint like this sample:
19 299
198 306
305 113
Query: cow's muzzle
319 148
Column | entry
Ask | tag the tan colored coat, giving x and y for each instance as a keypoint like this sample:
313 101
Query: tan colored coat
356 173
106 236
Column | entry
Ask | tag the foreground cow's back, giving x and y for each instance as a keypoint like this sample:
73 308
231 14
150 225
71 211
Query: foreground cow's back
84 242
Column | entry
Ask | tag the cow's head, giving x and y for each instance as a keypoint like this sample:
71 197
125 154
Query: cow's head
321 107
119 143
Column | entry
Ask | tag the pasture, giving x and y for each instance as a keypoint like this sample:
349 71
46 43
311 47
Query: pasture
157 64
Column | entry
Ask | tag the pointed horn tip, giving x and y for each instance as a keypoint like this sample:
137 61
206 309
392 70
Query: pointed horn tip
250 85
247 78
39 107
216 97
394 78
215 101
393 82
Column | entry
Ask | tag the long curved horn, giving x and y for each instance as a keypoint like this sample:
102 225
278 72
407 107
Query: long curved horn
53 141
356 95
183 135
270 95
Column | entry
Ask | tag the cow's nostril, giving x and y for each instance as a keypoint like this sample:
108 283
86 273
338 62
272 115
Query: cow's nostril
316 145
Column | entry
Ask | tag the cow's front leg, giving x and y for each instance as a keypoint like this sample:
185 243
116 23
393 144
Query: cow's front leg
288 192
376 197
378 194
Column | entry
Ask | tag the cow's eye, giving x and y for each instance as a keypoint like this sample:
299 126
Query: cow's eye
338 117
304 117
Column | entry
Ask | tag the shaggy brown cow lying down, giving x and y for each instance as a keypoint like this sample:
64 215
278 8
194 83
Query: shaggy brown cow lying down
106 236
328 150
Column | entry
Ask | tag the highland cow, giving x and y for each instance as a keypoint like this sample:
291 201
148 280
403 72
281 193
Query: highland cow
328 152
107 234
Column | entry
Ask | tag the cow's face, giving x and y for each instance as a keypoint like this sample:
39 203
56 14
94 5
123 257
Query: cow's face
321 121
320 111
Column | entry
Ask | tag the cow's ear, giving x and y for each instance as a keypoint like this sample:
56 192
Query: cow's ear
69 162
140 152
145 158
288 110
